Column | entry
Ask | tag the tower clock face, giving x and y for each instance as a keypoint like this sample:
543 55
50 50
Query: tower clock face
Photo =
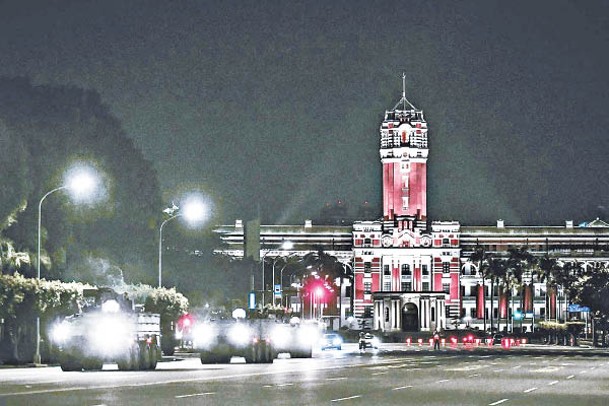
387 240
426 241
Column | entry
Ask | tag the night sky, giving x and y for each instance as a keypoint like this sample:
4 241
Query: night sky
275 105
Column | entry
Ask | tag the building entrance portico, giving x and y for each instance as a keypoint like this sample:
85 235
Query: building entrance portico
409 311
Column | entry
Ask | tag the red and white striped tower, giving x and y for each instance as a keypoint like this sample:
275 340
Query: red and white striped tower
404 157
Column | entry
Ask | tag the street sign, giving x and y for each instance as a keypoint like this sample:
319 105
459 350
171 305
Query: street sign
251 301
277 289
576 308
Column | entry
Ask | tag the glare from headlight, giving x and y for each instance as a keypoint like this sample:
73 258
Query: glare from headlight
239 334
110 306
280 336
203 336
60 332
110 334
308 334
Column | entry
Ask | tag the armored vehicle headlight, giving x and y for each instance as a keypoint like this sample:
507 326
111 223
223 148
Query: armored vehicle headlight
60 332
203 335
239 334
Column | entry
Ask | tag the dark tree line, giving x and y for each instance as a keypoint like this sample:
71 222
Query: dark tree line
43 129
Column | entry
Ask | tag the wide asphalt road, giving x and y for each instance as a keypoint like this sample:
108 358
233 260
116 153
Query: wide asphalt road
393 375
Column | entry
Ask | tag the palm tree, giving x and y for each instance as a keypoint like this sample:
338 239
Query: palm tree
594 293
519 262
546 271
569 275
481 257
496 273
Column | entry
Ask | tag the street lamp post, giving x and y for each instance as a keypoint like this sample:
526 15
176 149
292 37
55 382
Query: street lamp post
281 280
193 212
37 357
286 245
161 246
80 183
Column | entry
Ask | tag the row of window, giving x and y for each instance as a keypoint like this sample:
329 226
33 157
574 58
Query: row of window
473 313
405 269
405 287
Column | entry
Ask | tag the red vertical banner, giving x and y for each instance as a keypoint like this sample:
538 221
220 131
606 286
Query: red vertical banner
480 302
552 298
502 303
416 279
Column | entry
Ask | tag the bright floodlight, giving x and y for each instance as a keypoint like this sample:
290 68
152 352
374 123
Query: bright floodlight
194 210
287 245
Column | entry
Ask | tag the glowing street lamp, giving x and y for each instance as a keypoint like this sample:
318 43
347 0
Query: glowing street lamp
193 211
286 245
80 182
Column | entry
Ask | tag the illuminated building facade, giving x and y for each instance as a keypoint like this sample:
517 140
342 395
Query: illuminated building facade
413 274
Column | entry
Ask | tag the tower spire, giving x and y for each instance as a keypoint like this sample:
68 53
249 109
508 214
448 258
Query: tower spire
404 89
404 101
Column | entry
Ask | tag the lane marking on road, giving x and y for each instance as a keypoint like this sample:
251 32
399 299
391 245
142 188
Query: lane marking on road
349 398
530 390
443 381
340 378
517 367
467 368
549 368
570 376
279 385
552 383
473 375
498 402
583 372
380 373
174 381
498 370
402 387
195 394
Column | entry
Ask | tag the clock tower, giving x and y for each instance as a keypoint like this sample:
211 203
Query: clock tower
404 153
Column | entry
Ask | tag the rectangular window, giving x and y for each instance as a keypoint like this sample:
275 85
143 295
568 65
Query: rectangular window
424 270
446 287
406 286
367 267
387 286
446 267
367 288
472 312
386 270
425 286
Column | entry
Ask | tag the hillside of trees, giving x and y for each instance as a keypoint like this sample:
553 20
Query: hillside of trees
44 130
